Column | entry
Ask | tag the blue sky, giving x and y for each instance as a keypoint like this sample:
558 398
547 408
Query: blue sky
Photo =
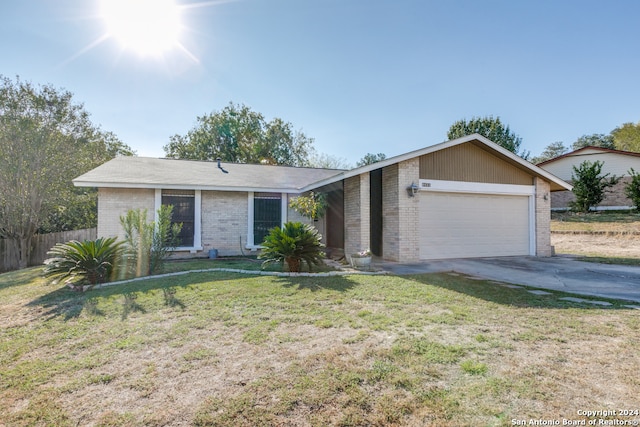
356 75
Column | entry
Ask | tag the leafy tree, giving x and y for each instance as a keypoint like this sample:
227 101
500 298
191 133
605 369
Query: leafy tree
326 161
589 186
632 189
92 261
45 141
371 158
148 244
294 244
312 206
491 128
238 134
627 137
594 140
552 151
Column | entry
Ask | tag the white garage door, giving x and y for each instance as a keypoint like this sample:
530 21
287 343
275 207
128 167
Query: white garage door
464 225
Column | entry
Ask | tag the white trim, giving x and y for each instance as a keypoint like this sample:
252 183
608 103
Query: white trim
284 212
250 219
532 226
475 187
197 219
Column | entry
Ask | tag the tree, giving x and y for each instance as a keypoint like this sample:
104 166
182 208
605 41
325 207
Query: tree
627 137
594 140
326 161
239 135
589 186
312 206
45 141
491 128
371 158
552 151
632 189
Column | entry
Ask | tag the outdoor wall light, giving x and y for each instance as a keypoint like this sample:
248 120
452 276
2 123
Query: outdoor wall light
413 189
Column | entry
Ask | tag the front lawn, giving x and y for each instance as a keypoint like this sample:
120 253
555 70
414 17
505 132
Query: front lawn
224 349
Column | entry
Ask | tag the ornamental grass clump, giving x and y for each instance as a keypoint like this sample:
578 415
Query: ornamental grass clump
294 244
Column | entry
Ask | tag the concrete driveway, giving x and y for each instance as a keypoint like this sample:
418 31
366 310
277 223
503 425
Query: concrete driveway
557 273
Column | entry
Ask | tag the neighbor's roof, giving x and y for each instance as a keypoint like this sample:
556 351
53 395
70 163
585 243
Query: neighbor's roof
146 172
589 150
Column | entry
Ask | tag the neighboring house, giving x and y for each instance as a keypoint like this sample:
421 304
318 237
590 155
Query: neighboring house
467 197
615 162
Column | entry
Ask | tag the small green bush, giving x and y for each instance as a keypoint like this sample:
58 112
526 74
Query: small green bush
632 190
294 243
92 261
589 186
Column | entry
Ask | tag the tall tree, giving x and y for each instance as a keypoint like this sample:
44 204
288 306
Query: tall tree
45 141
327 161
594 140
238 134
626 137
371 158
491 128
551 151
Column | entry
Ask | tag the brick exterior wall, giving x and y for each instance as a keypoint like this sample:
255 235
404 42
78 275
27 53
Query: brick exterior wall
613 197
114 202
357 217
400 234
224 221
543 218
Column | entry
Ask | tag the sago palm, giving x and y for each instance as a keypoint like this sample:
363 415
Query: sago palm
294 243
91 260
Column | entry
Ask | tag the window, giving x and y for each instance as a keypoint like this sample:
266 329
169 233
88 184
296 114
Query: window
184 208
267 213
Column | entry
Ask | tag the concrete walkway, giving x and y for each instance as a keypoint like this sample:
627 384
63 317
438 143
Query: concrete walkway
557 273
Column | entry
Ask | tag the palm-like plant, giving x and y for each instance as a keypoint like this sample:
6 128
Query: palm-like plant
294 243
91 260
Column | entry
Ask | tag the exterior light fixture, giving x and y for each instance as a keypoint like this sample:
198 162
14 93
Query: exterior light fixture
413 189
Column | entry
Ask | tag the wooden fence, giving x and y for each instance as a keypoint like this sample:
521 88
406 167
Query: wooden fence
41 243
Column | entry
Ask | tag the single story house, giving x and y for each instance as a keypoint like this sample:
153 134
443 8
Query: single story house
615 162
467 197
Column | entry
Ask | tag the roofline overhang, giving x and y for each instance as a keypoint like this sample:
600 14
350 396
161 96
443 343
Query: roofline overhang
433 148
185 187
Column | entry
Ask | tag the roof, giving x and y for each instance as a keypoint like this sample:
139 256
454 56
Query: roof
556 184
590 150
147 172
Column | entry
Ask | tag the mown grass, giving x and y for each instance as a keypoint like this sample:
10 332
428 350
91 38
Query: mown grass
602 221
223 349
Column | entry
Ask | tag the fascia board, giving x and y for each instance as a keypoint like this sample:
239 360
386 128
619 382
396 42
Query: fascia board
184 187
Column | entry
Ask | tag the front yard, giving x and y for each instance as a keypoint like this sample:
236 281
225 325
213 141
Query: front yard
611 237
223 349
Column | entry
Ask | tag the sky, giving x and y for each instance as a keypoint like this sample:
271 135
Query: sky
358 76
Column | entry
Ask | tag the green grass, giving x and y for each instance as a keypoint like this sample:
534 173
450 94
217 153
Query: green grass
603 221
224 349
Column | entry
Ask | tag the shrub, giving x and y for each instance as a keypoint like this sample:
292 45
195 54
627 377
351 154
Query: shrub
149 244
294 243
632 190
589 186
92 261
313 206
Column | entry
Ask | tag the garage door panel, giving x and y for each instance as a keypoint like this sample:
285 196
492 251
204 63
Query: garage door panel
460 225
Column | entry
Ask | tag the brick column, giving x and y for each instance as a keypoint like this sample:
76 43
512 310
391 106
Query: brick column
543 218
400 234
357 218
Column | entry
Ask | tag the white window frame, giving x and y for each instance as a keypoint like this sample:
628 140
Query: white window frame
283 218
197 221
